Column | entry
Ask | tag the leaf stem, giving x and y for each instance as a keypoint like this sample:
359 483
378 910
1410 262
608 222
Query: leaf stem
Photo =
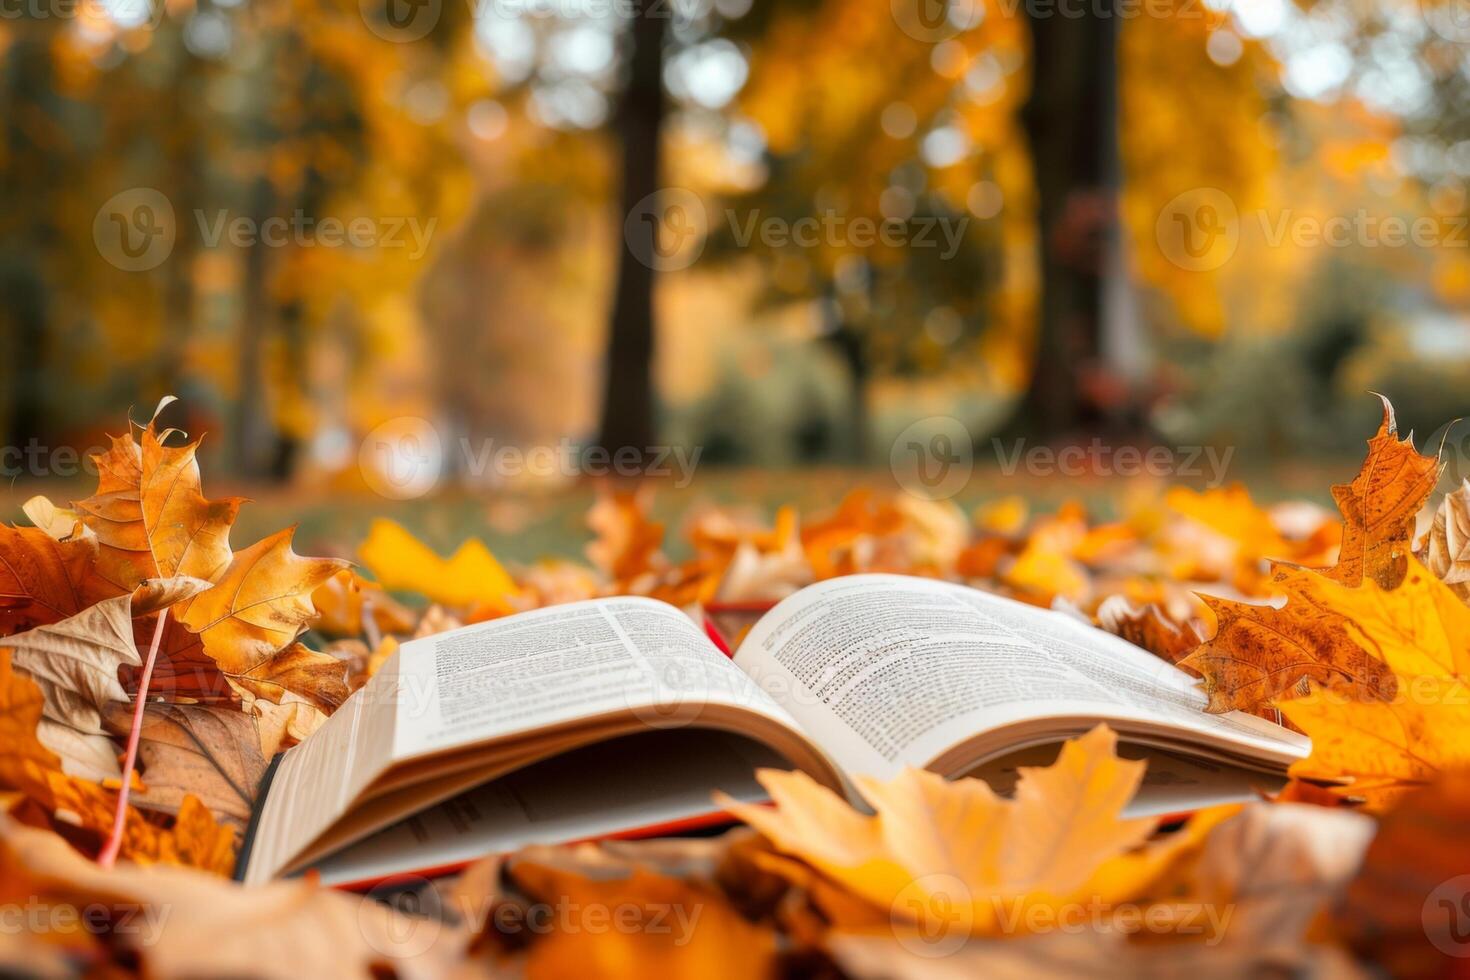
108 857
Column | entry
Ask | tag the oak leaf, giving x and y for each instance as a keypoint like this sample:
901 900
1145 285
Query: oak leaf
259 604
957 850
1262 652
1380 505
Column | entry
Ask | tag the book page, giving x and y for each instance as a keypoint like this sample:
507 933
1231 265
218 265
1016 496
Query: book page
637 785
561 664
887 671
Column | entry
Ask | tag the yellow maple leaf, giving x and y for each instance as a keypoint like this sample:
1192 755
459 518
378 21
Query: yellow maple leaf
471 577
953 854
1384 749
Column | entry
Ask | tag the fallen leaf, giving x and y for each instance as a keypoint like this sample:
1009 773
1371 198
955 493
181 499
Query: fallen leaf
1384 750
150 514
318 679
76 660
942 852
259 604
193 750
1406 909
1147 627
1380 505
470 577
189 925
627 543
43 580
1447 546
1260 653
346 601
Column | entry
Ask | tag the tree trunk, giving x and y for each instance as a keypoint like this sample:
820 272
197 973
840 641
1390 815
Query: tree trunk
1071 127
628 398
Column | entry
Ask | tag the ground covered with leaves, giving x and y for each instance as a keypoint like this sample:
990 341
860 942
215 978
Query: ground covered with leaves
150 669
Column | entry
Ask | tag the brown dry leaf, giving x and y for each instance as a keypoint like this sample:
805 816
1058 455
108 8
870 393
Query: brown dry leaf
30 768
958 848
1147 627
210 753
1379 507
1447 546
318 679
43 580
150 514
75 662
1406 910
193 925
1260 653
259 604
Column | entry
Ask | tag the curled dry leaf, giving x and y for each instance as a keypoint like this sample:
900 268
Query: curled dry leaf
76 660
346 602
1147 627
1447 546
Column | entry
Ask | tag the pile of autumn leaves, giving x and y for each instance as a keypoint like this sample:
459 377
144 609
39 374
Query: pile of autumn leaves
1367 654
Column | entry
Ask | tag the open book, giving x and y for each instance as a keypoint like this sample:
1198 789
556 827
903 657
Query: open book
614 717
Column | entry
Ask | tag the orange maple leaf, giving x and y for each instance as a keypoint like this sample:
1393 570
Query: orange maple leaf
1260 653
150 514
44 581
259 605
1379 507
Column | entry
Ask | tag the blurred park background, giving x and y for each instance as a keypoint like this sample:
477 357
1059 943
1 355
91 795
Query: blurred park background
780 232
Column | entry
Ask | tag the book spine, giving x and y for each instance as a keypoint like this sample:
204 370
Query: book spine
242 861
